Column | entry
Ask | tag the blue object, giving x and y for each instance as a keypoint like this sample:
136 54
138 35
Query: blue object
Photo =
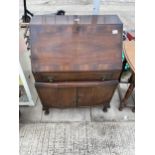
127 67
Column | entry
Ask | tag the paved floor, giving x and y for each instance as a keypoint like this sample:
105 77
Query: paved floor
93 114
80 138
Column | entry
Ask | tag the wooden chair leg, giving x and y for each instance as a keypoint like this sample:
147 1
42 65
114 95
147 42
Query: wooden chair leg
123 102
133 109
127 95
121 106
123 68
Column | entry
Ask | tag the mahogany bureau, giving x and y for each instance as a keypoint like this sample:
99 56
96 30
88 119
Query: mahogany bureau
76 60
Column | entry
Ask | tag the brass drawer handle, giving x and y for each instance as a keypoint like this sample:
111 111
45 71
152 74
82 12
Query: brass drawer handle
50 79
104 77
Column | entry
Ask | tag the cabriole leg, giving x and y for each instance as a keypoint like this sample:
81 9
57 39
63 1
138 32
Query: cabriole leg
105 107
46 109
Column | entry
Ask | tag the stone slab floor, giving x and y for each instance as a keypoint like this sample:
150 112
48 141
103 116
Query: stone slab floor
77 138
78 131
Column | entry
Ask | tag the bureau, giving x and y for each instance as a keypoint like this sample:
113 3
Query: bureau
76 60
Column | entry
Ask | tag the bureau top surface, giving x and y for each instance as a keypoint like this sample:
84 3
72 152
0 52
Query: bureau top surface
75 43
71 19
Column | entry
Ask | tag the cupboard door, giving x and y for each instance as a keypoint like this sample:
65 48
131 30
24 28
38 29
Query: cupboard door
100 93
52 95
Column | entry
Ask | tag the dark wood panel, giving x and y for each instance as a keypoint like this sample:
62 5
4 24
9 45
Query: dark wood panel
76 76
77 47
59 97
95 95
72 94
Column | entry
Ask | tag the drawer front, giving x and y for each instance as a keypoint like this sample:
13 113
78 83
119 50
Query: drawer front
83 76
72 94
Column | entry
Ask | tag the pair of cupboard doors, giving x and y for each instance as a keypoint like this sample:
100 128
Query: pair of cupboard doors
75 94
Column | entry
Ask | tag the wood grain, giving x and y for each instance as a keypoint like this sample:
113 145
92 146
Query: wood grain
71 94
76 47
76 60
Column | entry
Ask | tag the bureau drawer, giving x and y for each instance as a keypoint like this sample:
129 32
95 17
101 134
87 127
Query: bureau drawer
75 76
73 94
